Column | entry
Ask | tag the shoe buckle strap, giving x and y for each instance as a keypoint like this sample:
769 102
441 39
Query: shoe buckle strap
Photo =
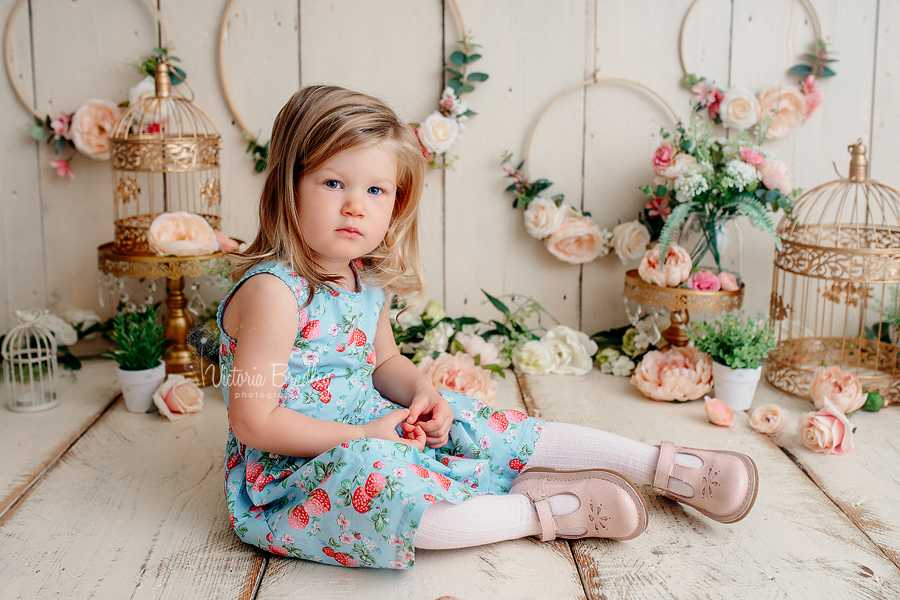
664 467
545 515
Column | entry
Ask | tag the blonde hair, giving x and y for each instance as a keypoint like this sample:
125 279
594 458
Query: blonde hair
317 123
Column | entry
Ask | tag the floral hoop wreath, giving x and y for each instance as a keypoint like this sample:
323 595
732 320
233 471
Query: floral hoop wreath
779 109
437 133
569 234
85 129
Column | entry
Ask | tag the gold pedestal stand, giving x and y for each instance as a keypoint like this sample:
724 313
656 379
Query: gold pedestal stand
179 358
681 302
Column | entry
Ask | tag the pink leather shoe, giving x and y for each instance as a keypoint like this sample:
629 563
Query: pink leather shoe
724 487
610 506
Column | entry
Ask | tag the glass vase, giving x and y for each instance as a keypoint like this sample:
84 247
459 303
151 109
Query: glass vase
714 243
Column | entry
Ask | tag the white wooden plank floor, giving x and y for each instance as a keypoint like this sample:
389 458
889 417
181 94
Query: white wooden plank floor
101 503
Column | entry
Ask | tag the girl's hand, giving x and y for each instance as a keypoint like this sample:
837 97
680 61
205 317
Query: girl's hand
385 428
432 414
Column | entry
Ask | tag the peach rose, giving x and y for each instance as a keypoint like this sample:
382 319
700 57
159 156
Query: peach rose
459 373
786 106
739 109
543 217
728 281
629 240
775 176
578 240
844 390
704 282
677 374
827 431
181 234
718 412
768 419
678 164
90 128
177 397
438 133
676 270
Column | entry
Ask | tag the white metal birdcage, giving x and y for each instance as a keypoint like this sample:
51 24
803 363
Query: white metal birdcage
835 282
164 153
29 364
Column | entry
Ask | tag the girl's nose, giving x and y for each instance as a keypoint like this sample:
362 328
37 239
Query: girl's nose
354 204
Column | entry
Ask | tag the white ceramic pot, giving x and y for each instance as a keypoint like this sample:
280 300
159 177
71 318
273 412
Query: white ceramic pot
138 386
735 387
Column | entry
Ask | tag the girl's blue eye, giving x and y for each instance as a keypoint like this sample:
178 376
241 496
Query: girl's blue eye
332 184
375 191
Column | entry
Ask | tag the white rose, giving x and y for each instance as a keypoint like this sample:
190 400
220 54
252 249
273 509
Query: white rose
535 357
437 338
85 318
475 345
145 89
543 217
64 333
574 349
438 133
630 240
739 109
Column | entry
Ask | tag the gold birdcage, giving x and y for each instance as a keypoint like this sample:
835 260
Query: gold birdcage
164 152
834 290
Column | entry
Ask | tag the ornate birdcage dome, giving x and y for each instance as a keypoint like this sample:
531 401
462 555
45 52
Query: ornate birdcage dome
29 364
164 152
835 284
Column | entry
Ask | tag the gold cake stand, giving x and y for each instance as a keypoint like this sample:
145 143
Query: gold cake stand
681 302
179 357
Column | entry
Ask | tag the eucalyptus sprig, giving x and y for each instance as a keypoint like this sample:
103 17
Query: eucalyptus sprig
461 82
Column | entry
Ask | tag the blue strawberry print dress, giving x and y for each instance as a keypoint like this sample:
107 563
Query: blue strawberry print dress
359 503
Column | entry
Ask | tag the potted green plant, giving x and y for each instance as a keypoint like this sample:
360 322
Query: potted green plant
736 347
142 342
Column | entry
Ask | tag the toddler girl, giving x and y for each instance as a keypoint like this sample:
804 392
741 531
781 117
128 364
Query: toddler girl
339 450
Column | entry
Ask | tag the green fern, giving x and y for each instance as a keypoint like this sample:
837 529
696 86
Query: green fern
759 217
673 225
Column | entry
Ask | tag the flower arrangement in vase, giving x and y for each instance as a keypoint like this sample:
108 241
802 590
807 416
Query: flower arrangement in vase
736 346
142 342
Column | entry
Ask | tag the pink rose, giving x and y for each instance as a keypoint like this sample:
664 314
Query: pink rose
663 156
90 128
181 234
753 157
844 390
775 176
60 126
63 168
703 281
715 105
812 94
677 374
768 419
827 431
718 412
676 270
728 281
578 240
226 244
177 397
786 106
459 373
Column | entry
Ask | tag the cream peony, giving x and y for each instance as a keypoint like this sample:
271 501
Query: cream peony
90 128
827 431
739 109
629 240
573 348
786 106
578 240
535 357
844 390
543 217
768 419
675 271
678 374
177 397
438 133
475 345
181 234
459 373
681 162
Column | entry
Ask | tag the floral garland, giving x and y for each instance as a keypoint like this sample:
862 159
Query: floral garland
777 111
86 130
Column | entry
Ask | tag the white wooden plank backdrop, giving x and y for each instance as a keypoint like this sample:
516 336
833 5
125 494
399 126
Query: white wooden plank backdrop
595 144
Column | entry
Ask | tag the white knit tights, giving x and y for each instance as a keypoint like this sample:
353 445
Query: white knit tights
488 519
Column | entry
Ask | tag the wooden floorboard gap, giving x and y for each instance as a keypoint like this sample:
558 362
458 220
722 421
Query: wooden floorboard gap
259 578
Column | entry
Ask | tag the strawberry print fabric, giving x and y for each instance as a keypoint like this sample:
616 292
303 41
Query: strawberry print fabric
359 503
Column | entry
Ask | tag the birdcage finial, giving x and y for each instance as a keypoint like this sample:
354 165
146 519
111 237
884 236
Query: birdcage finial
163 81
858 164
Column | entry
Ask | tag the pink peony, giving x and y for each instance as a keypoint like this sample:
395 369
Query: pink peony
475 345
827 431
753 157
177 397
459 373
728 282
786 106
677 374
676 270
812 94
844 390
663 156
226 244
775 176
578 240
181 234
718 412
63 168
703 281
90 128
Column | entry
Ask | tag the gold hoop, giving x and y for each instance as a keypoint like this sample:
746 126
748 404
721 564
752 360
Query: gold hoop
7 51
806 3
585 83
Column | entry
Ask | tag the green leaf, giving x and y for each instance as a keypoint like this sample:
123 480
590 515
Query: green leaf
646 189
661 191
454 84
801 70
454 72
685 145
472 58
458 58
469 113
465 89
497 304
690 80
477 77
37 132
827 72
772 196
